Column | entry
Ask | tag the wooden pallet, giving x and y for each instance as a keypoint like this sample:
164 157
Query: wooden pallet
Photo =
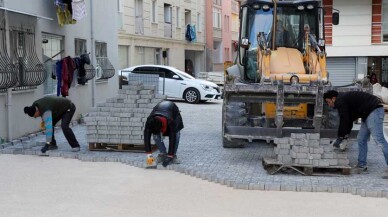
119 147
273 166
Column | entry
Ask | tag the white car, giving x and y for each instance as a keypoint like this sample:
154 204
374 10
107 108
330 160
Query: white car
177 84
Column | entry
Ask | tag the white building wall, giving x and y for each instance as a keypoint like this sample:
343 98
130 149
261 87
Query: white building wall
352 37
154 32
104 30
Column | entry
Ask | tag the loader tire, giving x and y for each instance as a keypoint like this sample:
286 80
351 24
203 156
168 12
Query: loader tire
236 114
234 143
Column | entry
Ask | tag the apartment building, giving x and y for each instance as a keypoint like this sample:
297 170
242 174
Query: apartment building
358 46
155 32
221 33
34 36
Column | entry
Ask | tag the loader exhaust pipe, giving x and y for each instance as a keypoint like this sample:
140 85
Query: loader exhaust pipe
274 24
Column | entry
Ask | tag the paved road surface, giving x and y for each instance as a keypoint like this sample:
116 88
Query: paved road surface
55 187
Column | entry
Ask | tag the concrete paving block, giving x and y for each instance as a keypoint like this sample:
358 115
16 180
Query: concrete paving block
137 87
283 151
304 188
241 186
340 155
373 193
343 162
313 143
284 146
256 186
230 183
298 135
304 150
300 142
361 192
287 187
305 162
328 155
272 187
320 188
313 136
133 96
146 92
73 155
333 162
336 189
324 163
317 151
301 155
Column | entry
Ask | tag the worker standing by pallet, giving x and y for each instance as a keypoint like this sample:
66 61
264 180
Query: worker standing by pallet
53 109
164 120
351 106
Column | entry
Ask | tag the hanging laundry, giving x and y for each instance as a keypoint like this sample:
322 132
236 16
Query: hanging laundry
193 33
60 15
79 9
64 12
188 33
58 70
80 64
68 67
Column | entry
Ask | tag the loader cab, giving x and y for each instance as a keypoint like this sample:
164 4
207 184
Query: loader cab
283 24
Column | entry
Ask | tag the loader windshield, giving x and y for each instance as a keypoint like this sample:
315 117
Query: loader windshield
290 23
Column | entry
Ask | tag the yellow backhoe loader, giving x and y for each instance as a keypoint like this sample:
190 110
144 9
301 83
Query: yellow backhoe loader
276 86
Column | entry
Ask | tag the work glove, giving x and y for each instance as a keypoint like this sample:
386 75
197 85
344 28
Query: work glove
42 126
150 160
343 145
336 143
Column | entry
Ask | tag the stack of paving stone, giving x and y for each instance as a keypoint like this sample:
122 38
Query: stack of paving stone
121 120
308 150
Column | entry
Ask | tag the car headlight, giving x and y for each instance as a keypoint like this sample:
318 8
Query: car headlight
206 87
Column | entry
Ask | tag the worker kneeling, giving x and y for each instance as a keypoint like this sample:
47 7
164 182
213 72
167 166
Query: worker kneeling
164 120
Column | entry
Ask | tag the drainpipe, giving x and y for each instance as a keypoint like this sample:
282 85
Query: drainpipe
8 103
92 54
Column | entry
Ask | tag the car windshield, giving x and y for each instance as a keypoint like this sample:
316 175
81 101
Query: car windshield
289 28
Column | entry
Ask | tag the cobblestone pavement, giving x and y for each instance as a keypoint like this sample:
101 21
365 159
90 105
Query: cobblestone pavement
203 156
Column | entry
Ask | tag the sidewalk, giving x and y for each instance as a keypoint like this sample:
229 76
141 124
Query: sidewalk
56 187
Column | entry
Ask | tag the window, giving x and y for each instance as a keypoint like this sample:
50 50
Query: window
154 11
217 17
80 46
139 23
217 2
178 17
104 68
226 23
167 73
226 54
167 13
120 11
52 52
199 22
385 21
101 50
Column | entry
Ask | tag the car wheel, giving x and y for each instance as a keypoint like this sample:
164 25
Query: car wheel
192 96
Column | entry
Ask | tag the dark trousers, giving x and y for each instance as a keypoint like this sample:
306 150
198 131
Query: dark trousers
67 131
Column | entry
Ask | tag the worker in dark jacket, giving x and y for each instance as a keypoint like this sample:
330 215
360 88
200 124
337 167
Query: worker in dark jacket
352 106
52 109
164 120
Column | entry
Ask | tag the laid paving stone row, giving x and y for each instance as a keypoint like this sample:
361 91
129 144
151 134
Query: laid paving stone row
203 157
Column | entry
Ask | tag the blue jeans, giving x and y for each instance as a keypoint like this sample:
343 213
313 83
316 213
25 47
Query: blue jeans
372 126
160 144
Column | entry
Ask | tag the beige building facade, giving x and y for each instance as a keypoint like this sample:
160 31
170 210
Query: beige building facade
154 32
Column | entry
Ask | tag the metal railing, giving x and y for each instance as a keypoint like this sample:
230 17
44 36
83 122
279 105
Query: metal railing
31 71
8 71
104 68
